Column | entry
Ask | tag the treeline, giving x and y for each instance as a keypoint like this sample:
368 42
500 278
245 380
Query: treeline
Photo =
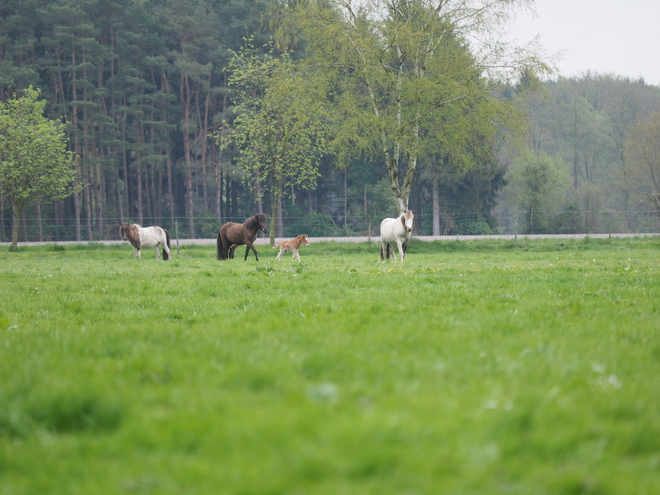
581 173
143 87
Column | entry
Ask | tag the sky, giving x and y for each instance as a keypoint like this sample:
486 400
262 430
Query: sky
618 37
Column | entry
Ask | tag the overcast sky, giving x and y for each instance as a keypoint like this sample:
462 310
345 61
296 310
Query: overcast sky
620 37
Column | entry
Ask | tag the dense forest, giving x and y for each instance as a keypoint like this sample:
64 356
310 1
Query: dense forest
150 89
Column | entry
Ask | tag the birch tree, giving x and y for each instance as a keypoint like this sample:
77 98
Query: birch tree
401 60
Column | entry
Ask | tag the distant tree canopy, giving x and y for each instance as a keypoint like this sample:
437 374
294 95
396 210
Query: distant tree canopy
585 122
642 157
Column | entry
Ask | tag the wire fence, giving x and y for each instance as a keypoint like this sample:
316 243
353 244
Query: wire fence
506 222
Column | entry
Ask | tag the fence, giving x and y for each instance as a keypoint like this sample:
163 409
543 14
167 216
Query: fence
504 222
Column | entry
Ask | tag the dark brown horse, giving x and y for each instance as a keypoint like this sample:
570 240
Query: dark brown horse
239 234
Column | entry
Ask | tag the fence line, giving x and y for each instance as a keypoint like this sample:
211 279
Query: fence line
509 223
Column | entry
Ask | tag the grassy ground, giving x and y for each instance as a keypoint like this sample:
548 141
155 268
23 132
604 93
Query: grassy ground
472 368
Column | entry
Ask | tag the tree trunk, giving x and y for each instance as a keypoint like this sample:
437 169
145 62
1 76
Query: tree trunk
366 211
2 218
346 200
38 208
185 102
280 219
76 146
219 161
436 206
274 223
170 193
218 190
120 201
138 179
257 191
87 200
17 210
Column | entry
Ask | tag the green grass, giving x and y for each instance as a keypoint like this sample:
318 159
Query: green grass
472 368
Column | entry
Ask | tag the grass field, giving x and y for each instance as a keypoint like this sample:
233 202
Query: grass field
472 368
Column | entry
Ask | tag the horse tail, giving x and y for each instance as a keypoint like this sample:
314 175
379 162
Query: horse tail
167 240
220 250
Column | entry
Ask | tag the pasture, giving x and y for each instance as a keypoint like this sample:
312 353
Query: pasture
472 368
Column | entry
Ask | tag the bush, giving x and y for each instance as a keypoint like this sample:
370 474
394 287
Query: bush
314 225
206 225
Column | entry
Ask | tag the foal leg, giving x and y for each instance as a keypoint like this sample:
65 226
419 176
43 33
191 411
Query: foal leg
282 251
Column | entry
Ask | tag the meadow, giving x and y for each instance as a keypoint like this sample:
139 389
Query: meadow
472 368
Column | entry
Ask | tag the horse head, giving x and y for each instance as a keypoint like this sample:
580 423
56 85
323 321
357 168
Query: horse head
124 231
304 240
261 219
408 219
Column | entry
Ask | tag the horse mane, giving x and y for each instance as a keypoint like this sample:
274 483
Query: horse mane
252 220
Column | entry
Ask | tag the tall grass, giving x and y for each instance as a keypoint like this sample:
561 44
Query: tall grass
473 367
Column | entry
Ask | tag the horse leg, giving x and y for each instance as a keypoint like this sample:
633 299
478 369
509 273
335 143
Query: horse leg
227 251
390 249
167 254
247 251
401 252
136 253
279 254
382 251
157 252
295 255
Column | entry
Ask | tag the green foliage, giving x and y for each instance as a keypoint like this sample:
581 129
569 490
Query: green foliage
473 367
642 161
280 129
35 164
586 122
409 84
314 225
206 225
538 185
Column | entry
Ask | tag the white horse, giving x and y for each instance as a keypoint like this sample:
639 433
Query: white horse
397 230
140 237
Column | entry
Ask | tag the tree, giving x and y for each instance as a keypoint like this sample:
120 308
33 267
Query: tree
404 61
281 124
642 159
34 162
538 185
